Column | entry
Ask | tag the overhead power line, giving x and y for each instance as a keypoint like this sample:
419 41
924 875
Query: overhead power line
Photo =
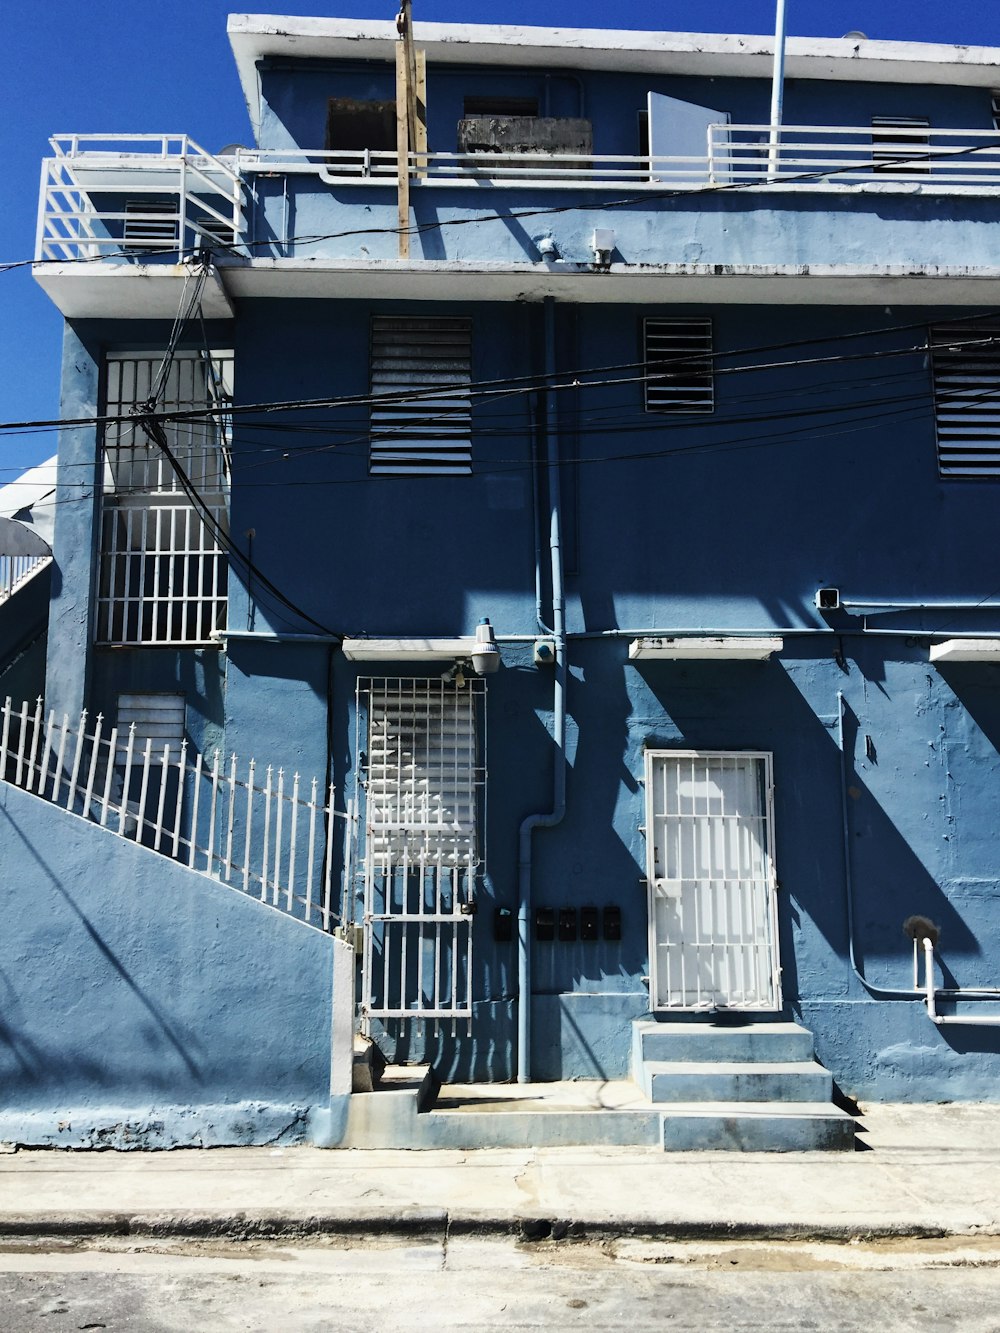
531 383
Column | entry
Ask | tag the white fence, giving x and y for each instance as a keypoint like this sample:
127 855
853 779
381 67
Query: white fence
275 837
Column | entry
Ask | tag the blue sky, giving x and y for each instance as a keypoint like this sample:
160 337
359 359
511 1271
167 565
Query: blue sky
131 66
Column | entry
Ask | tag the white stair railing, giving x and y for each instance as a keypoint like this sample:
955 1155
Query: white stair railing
275 840
16 570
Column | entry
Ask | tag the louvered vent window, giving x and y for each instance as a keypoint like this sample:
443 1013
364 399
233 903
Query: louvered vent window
966 365
421 414
678 365
158 718
150 224
899 143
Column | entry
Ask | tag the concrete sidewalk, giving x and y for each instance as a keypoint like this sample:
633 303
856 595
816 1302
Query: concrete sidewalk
922 1170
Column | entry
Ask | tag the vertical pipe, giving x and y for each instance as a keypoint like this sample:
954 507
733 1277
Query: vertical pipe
555 815
845 831
777 90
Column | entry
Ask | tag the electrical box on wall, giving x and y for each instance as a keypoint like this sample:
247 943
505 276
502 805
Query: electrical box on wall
544 653
545 924
612 923
567 924
589 923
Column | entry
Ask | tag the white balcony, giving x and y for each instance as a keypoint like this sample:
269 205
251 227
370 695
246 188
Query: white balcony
134 207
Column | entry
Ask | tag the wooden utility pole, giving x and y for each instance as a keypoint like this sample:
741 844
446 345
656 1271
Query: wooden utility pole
411 118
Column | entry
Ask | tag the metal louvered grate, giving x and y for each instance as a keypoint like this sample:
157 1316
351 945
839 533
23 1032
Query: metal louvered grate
430 432
966 368
678 362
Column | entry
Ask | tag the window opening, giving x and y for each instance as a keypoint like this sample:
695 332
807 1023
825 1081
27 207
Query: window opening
500 106
965 365
162 574
354 125
429 433
678 365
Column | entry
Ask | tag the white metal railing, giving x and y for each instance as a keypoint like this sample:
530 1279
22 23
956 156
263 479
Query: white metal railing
855 155
194 198
734 154
197 198
247 826
17 569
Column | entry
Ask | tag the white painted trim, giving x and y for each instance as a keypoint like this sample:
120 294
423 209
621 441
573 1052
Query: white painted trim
733 648
966 650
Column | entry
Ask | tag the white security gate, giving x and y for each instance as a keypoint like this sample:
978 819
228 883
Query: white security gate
422 851
712 920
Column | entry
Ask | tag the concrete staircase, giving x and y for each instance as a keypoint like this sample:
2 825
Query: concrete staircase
755 1087
752 1087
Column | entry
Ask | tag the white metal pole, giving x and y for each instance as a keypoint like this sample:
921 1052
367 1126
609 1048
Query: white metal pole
777 90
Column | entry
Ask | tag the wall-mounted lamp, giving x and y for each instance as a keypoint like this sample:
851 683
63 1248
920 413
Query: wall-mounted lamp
603 242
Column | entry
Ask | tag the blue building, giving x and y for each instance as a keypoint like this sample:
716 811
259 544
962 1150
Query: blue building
577 498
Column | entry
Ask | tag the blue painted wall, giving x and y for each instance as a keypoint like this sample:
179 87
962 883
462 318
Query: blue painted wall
897 225
144 1006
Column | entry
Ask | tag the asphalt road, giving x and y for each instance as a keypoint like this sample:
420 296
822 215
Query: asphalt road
469 1283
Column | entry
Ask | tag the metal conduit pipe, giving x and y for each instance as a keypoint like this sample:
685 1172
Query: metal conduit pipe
856 604
554 816
931 994
878 992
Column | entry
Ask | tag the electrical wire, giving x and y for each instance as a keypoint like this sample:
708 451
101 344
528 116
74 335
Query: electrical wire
506 385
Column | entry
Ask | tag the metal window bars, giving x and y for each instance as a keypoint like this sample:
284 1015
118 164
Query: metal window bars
713 940
163 573
423 792
272 835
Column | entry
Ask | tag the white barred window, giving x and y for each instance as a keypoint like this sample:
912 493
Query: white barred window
162 576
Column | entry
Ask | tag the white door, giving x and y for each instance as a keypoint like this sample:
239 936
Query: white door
680 131
712 922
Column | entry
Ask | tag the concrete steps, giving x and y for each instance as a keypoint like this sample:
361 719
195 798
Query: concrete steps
738 1087
717 1081
757 1127
753 1087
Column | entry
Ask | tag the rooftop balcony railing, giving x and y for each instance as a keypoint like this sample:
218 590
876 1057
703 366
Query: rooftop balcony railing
120 195
126 196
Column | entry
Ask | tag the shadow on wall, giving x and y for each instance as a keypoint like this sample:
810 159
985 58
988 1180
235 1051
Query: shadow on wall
36 1064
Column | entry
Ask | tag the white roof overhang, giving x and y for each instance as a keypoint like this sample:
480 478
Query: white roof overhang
742 648
966 650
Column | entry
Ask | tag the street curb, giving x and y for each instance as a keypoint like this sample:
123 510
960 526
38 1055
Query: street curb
528 1227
